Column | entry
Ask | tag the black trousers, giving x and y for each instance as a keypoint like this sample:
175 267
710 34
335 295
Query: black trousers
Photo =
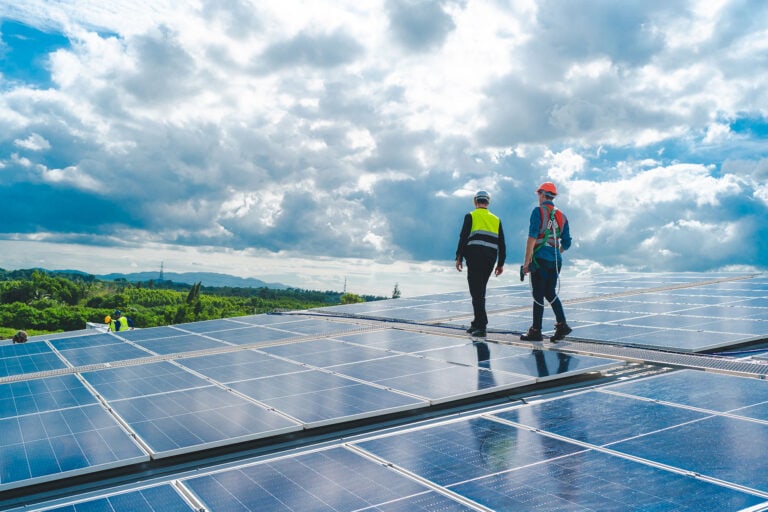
544 275
480 264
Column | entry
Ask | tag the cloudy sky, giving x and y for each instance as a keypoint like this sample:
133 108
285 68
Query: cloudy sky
313 142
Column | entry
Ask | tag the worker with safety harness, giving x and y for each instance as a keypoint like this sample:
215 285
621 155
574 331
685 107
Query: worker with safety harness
548 236
481 244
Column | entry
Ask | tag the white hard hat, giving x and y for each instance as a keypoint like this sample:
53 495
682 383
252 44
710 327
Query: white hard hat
482 194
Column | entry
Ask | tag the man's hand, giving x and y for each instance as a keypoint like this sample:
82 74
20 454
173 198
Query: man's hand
499 270
458 264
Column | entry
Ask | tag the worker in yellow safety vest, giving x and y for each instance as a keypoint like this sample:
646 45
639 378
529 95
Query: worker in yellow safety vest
118 322
482 246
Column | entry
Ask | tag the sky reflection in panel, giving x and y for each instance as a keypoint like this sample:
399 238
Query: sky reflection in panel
30 357
53 428
315 397
242 365
334 479
162 498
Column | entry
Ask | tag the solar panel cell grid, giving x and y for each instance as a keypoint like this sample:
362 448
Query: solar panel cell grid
40 395
53 427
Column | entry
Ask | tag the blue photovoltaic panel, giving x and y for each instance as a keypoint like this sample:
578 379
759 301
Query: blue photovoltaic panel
690 341
599 418
593 315
395 366
241 365
53 444
456 382
325 352
665 322
40 395
726 448
316 326
162 498
87 341
180 344
534 363
436 381
748 327
30 357
449 453
728 312
178 422
151 333
210 325
250 335
402 341
609 332
329 480
103 354
505 468
592 481
266 319
140 380
315 396
705 390
675 423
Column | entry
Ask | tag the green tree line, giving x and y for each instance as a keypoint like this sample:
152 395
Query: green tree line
39 301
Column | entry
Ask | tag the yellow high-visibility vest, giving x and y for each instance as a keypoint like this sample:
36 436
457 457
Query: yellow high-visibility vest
485 229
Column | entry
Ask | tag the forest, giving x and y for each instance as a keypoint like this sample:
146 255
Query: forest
40 301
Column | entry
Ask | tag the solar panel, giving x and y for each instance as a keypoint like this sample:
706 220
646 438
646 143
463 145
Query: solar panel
59 443
241 365
317 398
142 380
107 353
40 395
326 352
250 335
180 344
106 401
30 357
433 380
333 479
198 418
161 498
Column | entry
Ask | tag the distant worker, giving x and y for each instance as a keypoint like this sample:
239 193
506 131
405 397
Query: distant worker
118 322
20 337
481 244
548 236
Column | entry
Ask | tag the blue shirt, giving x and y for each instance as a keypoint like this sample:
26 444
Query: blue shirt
547 252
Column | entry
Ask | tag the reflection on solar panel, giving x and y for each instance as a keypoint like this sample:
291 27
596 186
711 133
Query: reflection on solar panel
52 428
27 358
472 424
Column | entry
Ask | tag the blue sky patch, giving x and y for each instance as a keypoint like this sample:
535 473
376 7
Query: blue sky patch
755 126
24 53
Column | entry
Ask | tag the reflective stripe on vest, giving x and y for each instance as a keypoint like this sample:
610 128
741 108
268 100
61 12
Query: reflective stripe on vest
485 229
551 224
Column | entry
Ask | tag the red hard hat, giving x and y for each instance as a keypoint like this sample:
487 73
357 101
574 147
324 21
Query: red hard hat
548 187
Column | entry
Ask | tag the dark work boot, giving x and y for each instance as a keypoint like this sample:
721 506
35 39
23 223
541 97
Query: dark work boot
561 331
533 334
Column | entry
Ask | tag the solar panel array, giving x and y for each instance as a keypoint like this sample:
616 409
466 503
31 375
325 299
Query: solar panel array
85 404
681 312
684 440
156 393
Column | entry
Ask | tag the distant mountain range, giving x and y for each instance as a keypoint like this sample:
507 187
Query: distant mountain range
207 278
